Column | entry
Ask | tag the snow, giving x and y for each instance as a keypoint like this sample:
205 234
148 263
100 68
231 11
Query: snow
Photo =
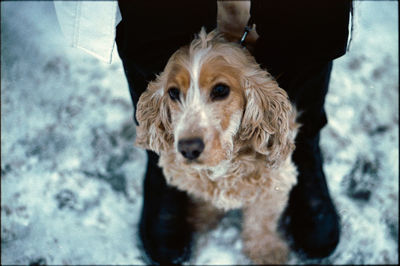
71 179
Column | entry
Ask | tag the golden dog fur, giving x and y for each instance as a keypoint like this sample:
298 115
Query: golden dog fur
249 138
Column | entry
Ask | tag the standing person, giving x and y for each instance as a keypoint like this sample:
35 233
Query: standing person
298 40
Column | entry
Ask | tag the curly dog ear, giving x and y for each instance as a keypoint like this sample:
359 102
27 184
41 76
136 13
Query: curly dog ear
268 120
154 130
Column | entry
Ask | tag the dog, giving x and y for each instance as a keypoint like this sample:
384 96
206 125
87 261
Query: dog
224 131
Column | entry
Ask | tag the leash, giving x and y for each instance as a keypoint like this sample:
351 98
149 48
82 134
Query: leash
247 29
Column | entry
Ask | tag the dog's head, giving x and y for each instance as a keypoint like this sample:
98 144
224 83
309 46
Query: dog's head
213 99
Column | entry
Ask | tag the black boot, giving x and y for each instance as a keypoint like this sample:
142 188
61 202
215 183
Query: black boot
164 231
312 220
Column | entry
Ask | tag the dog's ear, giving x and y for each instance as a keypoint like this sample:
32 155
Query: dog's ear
268 120
153 115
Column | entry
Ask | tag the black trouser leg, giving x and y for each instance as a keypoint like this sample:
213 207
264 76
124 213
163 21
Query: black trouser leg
149 33
297 45
313 221
152 30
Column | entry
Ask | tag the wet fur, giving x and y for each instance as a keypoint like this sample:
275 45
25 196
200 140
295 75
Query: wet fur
249 137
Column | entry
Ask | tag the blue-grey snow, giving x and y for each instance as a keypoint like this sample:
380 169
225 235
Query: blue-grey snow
71 178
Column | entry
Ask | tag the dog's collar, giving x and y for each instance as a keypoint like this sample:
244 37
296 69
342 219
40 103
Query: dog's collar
247 29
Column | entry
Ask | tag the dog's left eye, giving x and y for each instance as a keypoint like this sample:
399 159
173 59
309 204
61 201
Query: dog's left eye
174 93
220 92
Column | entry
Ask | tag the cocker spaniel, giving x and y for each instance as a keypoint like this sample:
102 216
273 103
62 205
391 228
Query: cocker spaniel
225 133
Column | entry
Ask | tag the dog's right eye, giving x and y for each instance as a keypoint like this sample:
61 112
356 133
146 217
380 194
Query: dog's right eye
220 92
174 93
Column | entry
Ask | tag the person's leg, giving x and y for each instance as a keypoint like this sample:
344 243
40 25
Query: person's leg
312 221
152 30
149 33
297 44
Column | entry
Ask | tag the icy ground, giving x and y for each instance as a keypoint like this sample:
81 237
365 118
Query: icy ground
71 177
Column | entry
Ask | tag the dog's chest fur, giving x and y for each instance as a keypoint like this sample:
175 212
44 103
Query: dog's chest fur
246 180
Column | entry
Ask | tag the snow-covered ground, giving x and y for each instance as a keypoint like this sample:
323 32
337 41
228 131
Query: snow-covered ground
71 178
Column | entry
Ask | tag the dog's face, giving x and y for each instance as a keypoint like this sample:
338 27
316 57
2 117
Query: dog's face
206 103
210 97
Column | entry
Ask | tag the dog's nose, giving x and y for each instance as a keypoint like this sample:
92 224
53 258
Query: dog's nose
191 148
